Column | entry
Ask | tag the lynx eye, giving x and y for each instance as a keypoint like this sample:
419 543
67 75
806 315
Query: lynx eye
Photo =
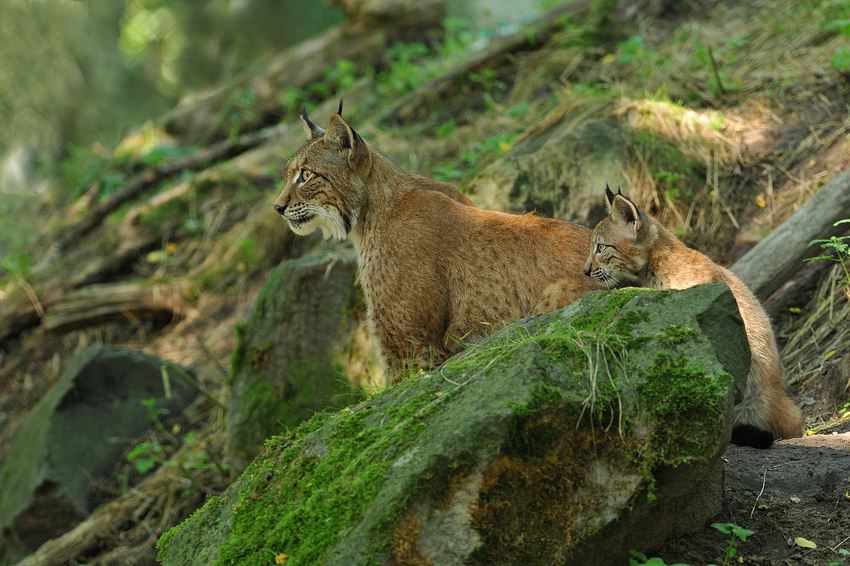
599 248
304 176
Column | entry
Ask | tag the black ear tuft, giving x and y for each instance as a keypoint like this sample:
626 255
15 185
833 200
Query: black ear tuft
749 435
313 131
608 194
340 107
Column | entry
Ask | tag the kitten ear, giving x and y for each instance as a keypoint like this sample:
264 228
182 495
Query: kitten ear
313 131
341 135
625 212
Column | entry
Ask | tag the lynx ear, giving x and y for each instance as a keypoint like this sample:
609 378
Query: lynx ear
341 135
623 211
313 131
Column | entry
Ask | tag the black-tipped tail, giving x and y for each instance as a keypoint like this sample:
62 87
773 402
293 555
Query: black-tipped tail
749 435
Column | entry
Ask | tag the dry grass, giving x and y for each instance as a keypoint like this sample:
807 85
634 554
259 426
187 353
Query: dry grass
821 332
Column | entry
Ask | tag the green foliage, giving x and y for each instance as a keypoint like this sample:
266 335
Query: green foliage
84 167
633 50
146 455
841 246
640 559
404 72
161 154
238 110
717 83
736 534
477 156
18 264
840 59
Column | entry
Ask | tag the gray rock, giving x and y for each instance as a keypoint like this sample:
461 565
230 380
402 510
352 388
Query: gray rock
568 438
294 350
79 430
559 173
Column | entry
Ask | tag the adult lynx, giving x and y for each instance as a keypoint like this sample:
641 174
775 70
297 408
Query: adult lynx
632 248
435 269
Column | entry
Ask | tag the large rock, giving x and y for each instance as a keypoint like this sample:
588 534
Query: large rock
296 350
559 172
567 438
76 433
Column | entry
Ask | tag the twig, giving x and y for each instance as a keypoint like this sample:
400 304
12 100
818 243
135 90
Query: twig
714 70
763 482
193 382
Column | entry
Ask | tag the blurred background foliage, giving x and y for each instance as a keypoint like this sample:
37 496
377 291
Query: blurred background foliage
77 75
82 72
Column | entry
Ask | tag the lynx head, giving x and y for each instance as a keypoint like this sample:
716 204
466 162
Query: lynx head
620 244
324 180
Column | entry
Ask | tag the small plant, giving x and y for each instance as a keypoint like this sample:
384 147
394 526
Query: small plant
735 533
717 77
841 245
632 50
840 61
146 455
644 561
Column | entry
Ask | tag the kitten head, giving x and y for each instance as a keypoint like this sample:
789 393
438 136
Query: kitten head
620 244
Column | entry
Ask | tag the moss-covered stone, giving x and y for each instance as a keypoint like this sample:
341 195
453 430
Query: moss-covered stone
292 353
530 448
557 172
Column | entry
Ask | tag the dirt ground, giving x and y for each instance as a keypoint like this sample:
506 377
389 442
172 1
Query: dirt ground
797 488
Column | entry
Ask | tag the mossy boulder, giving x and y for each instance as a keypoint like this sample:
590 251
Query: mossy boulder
76 434
567 438
559 172
295 350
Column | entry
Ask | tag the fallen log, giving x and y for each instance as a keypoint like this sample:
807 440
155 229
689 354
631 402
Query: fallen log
17 314
777 258
96 304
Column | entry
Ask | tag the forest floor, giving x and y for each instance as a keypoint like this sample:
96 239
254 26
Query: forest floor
798 489
783 130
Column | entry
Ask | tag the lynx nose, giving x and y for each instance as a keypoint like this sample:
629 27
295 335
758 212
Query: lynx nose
280 209
586 267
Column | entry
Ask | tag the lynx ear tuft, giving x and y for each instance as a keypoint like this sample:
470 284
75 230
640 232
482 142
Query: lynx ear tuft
609 195
340 107
313 131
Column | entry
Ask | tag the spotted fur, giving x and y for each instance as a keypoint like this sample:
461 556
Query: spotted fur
436 270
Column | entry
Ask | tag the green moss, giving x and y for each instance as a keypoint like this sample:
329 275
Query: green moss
312 486
677 392
528 425
677 334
